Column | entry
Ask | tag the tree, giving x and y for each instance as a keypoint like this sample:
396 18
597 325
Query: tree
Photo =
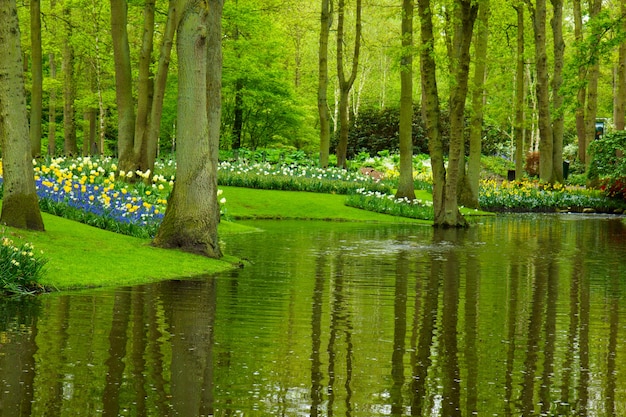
123 86
160 83
468 193
20 207
406 187
36 102
322 87
445 182
69 86
619 109
518 127
145 89
557 97
192 215
538 13
345 84
593 75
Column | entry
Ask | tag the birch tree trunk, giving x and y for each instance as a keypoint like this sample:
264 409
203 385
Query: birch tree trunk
190 222
20 207
406 187
322 86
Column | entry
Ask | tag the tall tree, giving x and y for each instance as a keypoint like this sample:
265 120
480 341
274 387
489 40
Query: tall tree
466 12
160 82
123 86
557 96
345 84
322 85
593 75
145 89
20 207
36 102
538 12
406 186
69 86
581 96
518 129
445 182
619 113
192 215
468 194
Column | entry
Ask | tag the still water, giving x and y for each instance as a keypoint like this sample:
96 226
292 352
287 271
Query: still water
519 315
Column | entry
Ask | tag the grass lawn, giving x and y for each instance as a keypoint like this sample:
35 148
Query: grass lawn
81 256
248 203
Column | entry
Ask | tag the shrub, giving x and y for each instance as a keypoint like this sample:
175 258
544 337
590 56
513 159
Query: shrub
608 164
532 164
20 268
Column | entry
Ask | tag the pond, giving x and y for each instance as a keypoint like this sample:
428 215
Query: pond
519 315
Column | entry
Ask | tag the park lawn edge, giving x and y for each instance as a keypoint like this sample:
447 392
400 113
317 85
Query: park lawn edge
81 256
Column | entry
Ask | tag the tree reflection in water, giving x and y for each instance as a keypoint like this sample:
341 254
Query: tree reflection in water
517 316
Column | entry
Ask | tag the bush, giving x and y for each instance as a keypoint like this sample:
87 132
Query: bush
532 164
20 268
608 164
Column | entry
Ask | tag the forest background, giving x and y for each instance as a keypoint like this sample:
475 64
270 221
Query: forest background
270 74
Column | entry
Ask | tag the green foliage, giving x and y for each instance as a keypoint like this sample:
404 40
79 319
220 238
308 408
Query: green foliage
20 268
496 165
608 164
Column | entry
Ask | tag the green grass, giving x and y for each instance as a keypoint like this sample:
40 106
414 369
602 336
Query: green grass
248 203
81 256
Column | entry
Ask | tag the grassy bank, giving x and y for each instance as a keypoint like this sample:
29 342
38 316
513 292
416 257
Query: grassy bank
81 256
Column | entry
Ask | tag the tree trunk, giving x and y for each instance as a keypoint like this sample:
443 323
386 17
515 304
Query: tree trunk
160 82
469 188
70 147
20 207
592 83
581 96
557 97
519 96
123 86
238 114
190 220
322 88
431 112
546 144
145 89
460 63
52 108
36 103
406 188
214 112
620 97
345 84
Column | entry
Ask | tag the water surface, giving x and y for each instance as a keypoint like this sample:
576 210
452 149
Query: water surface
520 315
